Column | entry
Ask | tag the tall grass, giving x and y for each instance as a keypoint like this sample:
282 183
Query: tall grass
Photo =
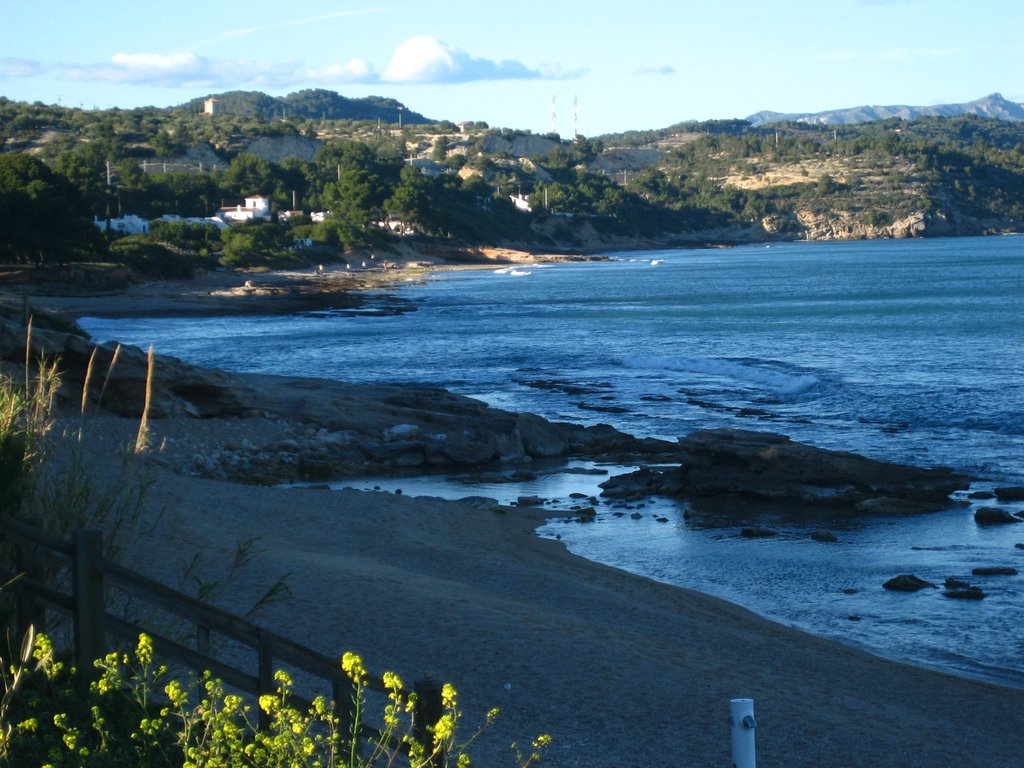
47 477
52 478
26 419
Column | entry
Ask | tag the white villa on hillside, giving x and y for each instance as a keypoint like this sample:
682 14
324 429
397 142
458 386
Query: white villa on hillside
521 202
256 207
129 224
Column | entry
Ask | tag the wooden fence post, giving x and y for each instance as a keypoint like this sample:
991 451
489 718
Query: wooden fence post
31 613
429 710
87 580
341 693
265 673
203 639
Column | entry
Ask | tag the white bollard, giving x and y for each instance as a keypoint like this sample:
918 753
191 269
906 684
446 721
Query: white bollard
741 720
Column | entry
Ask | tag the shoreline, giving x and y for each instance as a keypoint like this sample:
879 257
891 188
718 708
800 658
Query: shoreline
620 669
249 292
608 662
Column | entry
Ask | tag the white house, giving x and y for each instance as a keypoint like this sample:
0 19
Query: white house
129 224
521 202
256 208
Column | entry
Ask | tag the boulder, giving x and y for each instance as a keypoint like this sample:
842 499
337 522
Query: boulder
1011 493
770 466
633 485
824 536
994 516
998 570
887 505
964 593
906 583
540 437
530 501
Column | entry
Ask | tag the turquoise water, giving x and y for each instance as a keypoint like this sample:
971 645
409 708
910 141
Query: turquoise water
907 351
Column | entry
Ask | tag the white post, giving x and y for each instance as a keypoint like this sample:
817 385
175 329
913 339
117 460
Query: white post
742 723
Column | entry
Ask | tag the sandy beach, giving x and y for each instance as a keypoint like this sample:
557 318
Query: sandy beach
620 670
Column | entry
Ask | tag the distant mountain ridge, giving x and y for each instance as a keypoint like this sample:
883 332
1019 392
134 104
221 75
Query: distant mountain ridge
993 105
311 104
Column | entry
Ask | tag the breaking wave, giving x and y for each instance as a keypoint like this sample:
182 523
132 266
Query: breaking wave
780 382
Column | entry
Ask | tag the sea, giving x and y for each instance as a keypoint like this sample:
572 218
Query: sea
909 351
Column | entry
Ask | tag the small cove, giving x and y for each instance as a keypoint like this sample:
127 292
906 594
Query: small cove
830 589
904 351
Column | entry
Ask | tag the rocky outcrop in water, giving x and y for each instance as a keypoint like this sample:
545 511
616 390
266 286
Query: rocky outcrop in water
1010 493
773 468
335 427
994 516
906 582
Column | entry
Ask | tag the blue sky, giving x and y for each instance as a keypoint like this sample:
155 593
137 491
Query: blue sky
626 64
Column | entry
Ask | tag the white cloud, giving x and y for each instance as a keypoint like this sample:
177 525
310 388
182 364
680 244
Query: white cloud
418 60
235 34
426 59
185 70
10 68
354 71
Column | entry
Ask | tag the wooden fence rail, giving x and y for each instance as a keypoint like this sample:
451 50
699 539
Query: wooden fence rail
86 604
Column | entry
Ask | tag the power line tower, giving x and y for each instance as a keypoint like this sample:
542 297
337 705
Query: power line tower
554 116
575 118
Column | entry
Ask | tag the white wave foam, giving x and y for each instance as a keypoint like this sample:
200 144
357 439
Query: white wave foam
778 381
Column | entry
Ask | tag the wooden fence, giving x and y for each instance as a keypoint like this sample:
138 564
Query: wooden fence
85 599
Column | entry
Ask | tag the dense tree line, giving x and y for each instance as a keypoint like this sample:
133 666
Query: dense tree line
710 176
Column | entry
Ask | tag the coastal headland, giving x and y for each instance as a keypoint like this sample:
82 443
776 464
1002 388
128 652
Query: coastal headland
620 670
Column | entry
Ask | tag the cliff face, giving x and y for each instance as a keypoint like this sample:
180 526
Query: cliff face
843 225
798 225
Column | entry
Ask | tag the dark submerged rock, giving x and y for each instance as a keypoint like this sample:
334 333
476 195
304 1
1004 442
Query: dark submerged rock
530 501
773 467
633 485
824 536
906 583
994 516
965 593
1010 493
999 570
758 533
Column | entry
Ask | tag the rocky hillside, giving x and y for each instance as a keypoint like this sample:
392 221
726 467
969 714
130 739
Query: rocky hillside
312 104
993 106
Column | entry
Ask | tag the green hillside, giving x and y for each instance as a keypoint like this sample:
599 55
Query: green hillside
371 161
